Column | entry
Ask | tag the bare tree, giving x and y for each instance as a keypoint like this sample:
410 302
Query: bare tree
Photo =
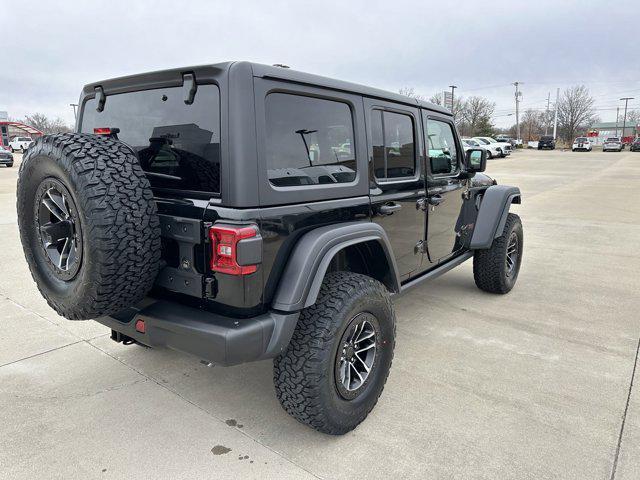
475 118
45 124
633 117
532 124
436 98
410 92
575 111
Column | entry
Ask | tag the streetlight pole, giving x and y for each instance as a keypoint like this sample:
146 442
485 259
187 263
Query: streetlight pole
453 88
546 116
624 121
518 95
555 116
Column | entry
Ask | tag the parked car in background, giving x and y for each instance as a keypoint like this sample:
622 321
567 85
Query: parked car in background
546 141
469 143
581 143
6 157
493 147
612 144
506 139
20 143
635 146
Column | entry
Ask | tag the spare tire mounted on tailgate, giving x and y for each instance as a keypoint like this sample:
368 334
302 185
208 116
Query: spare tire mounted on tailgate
88 224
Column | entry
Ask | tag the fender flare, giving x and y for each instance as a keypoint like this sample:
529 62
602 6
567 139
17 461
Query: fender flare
492 216
302 277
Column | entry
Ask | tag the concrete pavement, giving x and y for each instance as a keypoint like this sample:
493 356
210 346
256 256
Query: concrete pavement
531 385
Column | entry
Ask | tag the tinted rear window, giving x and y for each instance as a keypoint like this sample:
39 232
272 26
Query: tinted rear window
546 139
178 145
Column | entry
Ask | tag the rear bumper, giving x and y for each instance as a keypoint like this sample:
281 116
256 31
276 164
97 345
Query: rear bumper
215 338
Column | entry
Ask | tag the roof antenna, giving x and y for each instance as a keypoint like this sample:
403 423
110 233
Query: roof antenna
280 65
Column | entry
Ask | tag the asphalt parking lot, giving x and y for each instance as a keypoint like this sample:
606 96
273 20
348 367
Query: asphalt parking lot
532 385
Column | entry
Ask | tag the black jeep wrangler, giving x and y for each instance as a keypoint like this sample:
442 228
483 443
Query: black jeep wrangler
240 212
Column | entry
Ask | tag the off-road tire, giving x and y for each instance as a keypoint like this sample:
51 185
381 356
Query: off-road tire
118 223
490 270
304 374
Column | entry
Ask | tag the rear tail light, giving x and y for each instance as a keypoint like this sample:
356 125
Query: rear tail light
108 131
224 248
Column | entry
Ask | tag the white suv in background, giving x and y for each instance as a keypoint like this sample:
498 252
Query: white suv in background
20 143
612 144
581 143
493 147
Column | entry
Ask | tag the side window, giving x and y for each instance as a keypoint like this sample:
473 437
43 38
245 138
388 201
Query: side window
309 141
441 145
394 151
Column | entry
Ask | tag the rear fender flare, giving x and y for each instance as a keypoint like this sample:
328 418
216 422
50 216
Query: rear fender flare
302 277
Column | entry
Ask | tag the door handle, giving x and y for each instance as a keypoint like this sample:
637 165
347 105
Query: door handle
435 200
389 208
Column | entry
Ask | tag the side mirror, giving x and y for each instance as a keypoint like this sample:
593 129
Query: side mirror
476 160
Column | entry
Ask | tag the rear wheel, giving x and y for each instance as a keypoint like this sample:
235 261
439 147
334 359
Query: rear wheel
489 155
88 224
337 363
496 269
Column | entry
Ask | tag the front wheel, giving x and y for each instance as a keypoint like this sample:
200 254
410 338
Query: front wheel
496 269
337 363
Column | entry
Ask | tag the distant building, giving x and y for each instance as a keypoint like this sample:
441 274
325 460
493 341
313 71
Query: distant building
599 132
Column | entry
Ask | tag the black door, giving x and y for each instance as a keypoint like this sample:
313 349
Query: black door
397 183
444 188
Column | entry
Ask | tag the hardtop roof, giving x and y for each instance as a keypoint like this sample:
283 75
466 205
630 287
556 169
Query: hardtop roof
160 77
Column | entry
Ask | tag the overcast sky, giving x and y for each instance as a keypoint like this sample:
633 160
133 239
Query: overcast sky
51 49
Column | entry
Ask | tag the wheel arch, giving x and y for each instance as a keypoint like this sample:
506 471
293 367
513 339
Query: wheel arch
492 216
324 248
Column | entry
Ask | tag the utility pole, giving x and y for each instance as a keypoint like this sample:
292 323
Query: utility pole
453 88
518 95
555 119
546 115
624 122
617 118
75 114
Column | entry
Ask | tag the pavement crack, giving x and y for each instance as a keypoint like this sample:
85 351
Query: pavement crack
624 415
41 353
